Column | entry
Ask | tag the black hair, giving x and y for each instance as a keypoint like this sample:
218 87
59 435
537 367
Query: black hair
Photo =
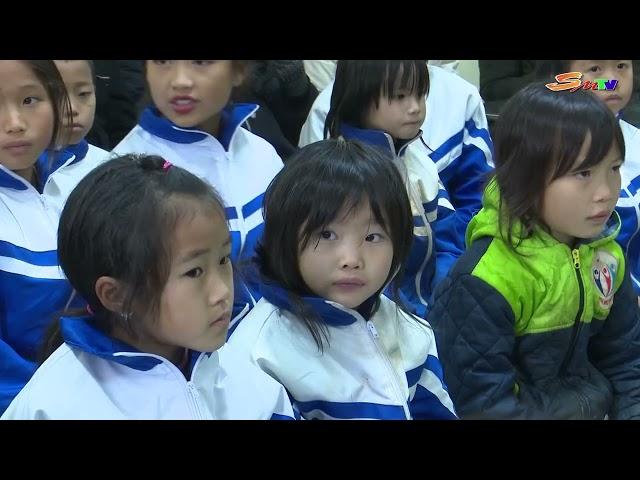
361 83
309 192
117 222
537 139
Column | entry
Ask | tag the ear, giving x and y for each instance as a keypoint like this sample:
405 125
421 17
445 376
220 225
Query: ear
111 293
240 70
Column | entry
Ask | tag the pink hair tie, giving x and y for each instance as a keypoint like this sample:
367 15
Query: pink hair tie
166 165
89 311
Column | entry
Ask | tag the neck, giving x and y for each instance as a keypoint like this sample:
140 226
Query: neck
145 343
29 174
211 126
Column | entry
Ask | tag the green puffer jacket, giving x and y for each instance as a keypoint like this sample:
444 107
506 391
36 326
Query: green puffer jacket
548 332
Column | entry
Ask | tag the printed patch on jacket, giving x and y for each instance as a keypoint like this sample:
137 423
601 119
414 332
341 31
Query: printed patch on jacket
603 273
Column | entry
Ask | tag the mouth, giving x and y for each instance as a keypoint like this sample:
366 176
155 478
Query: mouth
17 148
349 283
222 320
183 104
76 127
600 217
613 98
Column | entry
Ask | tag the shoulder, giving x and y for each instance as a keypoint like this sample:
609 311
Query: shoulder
136 141
52 389
245 141
449 86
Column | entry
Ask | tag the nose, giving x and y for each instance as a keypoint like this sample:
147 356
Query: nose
351 256
182 77
13 121
414 104
220 290
606 190
74 107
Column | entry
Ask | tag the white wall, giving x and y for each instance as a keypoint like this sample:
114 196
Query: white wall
468 69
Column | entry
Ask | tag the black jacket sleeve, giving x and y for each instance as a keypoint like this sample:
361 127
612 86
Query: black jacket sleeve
615 351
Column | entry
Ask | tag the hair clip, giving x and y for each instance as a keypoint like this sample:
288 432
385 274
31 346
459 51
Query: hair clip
166 165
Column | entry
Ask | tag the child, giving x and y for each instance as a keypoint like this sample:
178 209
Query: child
455 131
34 107
77 155
538 318
193 125
147 245
337 231
382 102
628 205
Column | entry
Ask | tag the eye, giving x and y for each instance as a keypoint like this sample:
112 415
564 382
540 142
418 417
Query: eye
616 168
85 93
160 62
583 174
194 272
30 101
594 68
225 260
203 63
327 235
623 65
374 237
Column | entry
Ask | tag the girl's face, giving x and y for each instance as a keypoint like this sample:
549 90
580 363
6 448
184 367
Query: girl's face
26 118
578 204
197 300
620 70
78 79
349 260
192 93
401 114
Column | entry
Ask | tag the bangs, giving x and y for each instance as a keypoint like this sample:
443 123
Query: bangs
337 198
572 131
410 75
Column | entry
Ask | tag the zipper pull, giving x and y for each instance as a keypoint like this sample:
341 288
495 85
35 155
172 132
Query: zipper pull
372 329
575 253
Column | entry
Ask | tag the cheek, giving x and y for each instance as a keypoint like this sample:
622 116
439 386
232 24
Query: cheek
45 122
154 85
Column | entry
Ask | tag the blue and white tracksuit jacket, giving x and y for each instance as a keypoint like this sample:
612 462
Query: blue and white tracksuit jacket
238 164
437 243
455 130
383 366
33 288
93 376
628 205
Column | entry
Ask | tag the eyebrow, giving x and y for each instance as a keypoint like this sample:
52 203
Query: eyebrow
194 254
201 251
28 86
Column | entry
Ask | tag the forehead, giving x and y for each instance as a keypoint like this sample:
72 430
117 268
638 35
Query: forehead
74 70
198 225
17 75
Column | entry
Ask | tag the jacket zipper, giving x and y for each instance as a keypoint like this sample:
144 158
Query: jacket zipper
577 325
396 383
194 396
